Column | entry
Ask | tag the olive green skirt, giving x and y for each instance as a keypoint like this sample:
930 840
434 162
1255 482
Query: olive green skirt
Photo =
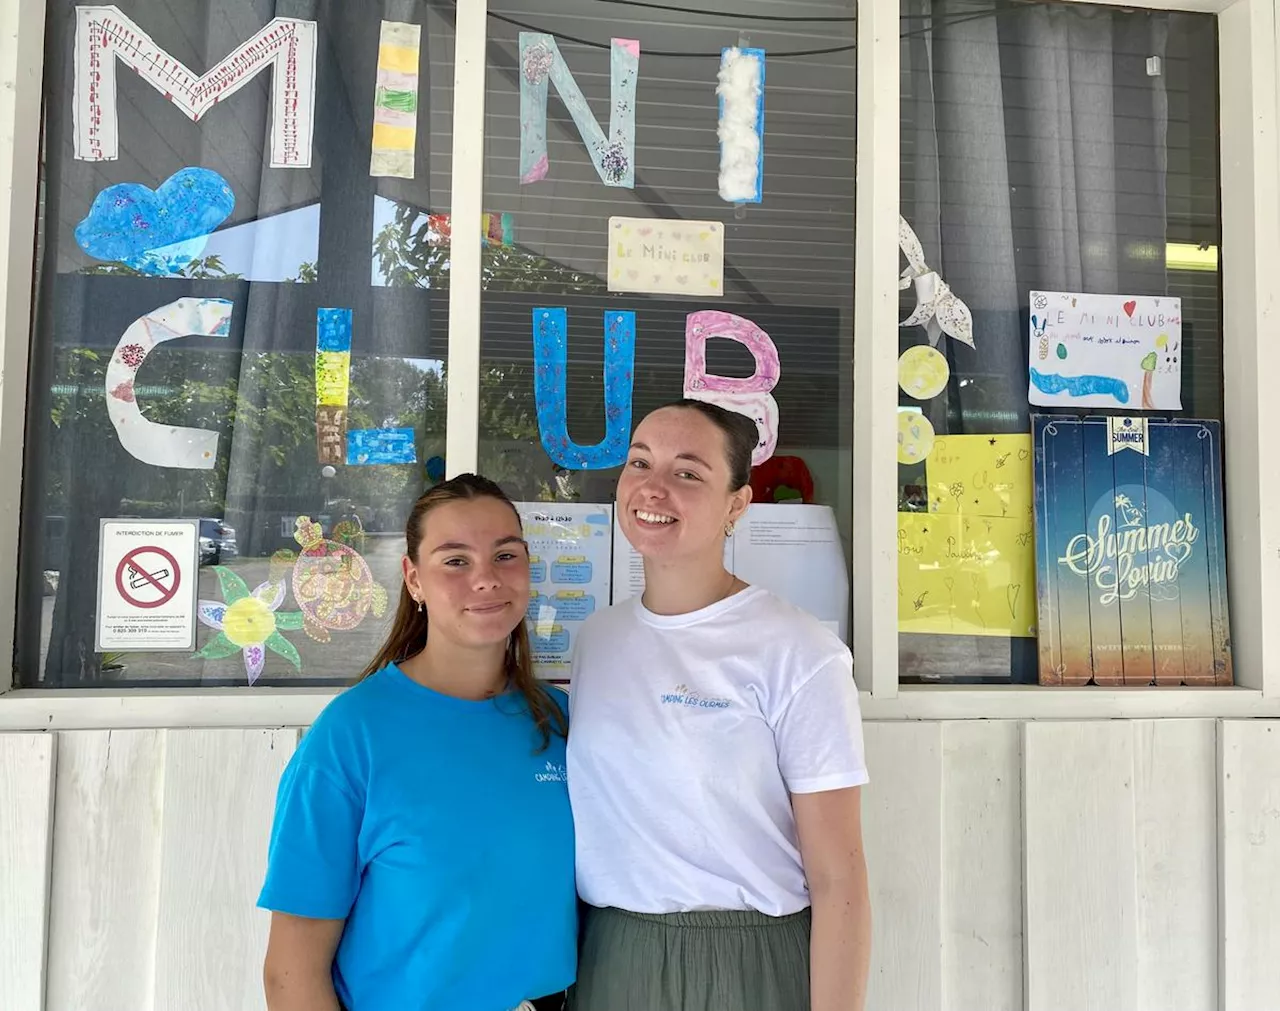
704 961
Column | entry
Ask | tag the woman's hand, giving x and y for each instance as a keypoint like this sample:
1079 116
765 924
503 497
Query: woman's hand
298 972
829 825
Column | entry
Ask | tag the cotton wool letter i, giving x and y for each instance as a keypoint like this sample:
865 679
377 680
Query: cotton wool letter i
741 128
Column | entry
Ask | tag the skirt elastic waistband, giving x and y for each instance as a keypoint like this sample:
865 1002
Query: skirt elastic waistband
712 919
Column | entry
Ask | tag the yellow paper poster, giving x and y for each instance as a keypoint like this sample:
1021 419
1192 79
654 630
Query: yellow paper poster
666 256
981 475
966 575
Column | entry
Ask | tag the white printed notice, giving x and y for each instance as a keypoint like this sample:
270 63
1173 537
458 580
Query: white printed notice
569 575
657 256
794 551
1105 351
147 582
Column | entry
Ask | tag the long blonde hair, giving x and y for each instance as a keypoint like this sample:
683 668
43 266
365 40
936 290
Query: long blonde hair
408 635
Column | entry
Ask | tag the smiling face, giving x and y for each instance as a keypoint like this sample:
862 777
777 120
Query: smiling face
471 571
674 498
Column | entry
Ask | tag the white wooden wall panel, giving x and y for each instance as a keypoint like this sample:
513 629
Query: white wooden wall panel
902 820
1120 837
106 870
1175 797
982 866
1081 901
159 838
26 826
219 797
1250 865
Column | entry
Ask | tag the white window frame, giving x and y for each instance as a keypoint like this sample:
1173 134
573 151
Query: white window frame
1249 89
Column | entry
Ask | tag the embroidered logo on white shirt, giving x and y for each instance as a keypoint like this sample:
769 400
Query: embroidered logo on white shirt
552 774
686 696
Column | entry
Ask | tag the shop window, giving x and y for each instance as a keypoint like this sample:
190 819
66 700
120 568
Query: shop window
225 198
1069 151
586 211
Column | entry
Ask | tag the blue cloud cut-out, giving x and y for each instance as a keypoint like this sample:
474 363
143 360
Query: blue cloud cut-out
159 231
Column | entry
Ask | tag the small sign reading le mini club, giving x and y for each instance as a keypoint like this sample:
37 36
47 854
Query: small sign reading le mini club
147 583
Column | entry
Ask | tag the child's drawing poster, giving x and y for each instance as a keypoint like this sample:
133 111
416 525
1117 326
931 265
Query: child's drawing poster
657 256
1119 351
967 566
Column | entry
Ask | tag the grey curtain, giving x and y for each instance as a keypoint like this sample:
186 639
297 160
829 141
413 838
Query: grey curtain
1034 157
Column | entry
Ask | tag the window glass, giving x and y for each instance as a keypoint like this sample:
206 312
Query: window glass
1054 148
787 259
228 190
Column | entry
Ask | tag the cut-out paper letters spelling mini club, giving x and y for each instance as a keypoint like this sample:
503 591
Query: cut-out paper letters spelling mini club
550 360
751 395
162 445
614 156
395 103
741 130
333 383
286 46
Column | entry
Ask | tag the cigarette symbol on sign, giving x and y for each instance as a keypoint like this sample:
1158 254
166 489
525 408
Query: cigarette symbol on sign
138 578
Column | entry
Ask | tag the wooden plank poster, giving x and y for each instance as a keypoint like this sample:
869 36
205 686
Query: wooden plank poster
1131 575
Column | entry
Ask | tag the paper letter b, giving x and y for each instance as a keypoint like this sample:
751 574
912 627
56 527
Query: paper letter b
750 396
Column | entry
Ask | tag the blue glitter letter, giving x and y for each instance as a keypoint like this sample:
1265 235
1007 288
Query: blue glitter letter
550 355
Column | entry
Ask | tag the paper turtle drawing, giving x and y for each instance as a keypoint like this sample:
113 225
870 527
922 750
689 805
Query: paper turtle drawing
331 580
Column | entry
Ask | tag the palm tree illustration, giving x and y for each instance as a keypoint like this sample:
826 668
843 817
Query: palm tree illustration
1130 515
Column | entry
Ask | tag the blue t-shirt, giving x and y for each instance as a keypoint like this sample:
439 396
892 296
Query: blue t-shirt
431 826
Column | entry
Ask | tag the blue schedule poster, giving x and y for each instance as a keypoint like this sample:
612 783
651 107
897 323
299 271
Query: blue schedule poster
1131 572
570 570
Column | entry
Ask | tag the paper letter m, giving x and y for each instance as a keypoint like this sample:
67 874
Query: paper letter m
285 45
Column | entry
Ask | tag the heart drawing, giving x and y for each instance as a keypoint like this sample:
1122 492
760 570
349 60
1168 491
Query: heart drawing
160 231
1129 307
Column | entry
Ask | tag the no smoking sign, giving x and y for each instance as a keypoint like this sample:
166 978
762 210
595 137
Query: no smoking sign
147 582
148 577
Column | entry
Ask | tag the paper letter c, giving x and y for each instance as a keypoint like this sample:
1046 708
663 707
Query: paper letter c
162 445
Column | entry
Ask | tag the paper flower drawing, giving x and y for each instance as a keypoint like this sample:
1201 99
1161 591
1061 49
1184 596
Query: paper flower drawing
248 623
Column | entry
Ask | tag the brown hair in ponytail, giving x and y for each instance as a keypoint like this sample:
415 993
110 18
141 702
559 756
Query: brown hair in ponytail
408 635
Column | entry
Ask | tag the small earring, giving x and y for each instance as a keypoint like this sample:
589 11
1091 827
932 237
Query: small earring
419 605
728 529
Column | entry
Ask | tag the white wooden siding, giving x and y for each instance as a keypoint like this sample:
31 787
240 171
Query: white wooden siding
26 827
1107 864
1249 838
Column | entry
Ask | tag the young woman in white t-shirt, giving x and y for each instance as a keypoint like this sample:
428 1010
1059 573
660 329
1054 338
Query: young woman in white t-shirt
715 763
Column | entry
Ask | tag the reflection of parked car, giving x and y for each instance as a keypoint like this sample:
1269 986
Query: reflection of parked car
217 542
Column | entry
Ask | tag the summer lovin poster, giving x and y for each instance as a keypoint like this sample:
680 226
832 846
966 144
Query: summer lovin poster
1130 552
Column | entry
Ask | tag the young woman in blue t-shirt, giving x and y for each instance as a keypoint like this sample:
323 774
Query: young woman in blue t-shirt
422 853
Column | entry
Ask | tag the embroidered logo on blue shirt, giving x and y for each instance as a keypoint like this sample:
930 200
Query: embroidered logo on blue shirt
686 696
552 774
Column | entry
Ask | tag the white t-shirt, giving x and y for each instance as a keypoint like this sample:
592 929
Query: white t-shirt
689 733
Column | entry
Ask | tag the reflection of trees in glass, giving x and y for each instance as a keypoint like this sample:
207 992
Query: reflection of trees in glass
206 268
267 398
263 406
413 254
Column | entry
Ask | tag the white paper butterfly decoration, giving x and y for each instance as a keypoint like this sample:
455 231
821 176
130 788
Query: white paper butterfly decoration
938 309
